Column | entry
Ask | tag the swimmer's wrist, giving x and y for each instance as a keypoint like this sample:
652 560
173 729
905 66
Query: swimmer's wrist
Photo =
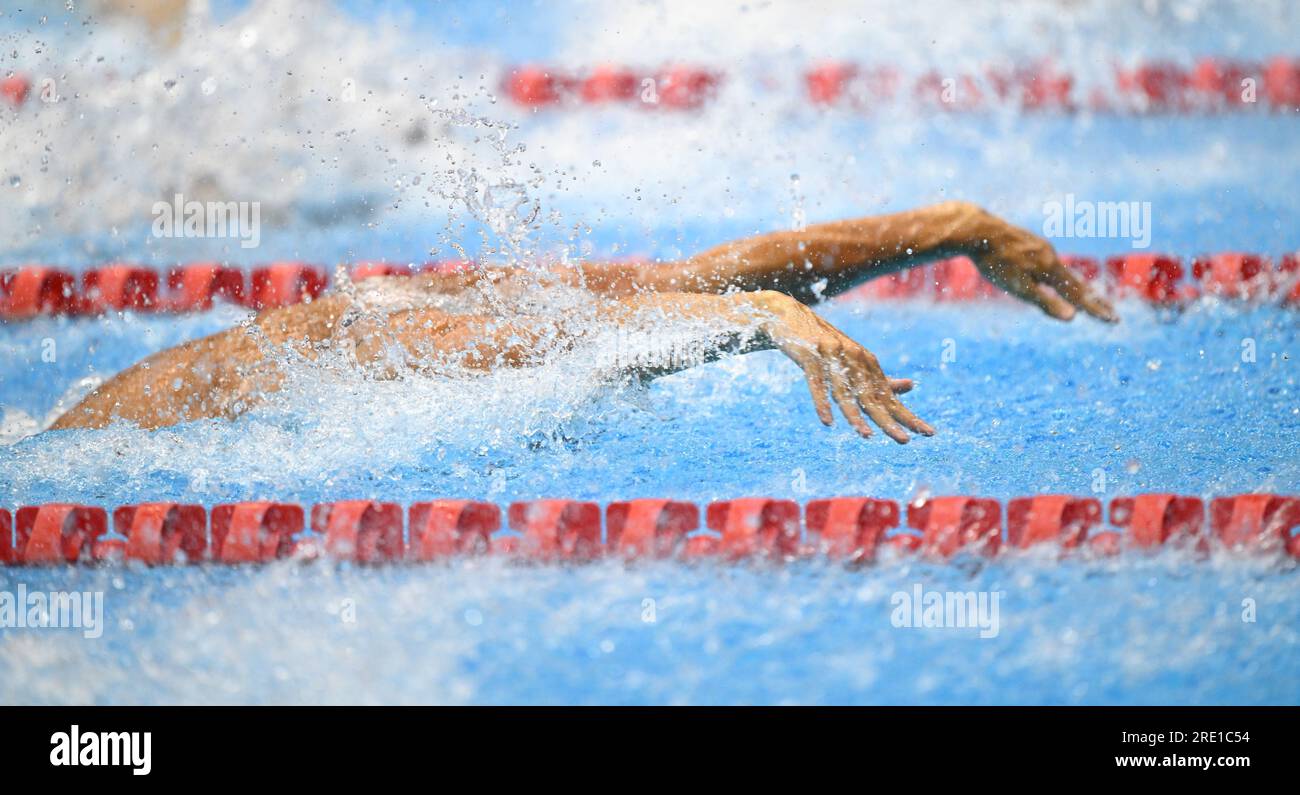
974 229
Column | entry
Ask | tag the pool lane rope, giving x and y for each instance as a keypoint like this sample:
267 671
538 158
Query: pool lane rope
848 529
1208 85
1160 279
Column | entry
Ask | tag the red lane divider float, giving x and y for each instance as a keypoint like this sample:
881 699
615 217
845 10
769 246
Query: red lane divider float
1153 277
36 290
8 555
1055 518
118 287
443 528
1288 279
755 527
193 288
676 87
650 528
849 529
958 279
1282 82
360 530
950 525
161 532
1159 279
1263 522
1152 520
285 283
610 84
254 532
58 533
14 89
1248 277
556 529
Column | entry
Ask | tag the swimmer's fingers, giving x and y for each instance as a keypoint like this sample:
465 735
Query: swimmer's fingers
904 415
861 388
842 389
878 398
1070 287
1016 279
881 416
815 373
1050 302
831 362
1027 266
1040 295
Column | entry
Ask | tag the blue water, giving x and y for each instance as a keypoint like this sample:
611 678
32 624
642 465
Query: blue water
1165 401
480 632
1160 402
1028 406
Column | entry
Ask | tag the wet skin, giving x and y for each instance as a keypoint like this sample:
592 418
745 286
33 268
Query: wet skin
759 287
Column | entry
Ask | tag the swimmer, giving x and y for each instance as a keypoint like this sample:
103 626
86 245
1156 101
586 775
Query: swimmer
752 294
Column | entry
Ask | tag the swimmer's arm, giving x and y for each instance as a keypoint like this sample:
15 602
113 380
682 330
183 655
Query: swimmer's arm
687 329
823 260
669 332
764 320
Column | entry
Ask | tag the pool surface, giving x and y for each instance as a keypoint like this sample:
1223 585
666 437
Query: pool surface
1166 401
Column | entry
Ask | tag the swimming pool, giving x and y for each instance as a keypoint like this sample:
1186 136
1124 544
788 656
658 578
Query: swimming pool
1163 402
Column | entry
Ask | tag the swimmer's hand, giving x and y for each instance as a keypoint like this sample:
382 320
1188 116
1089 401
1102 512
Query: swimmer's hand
833 362
1026 266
